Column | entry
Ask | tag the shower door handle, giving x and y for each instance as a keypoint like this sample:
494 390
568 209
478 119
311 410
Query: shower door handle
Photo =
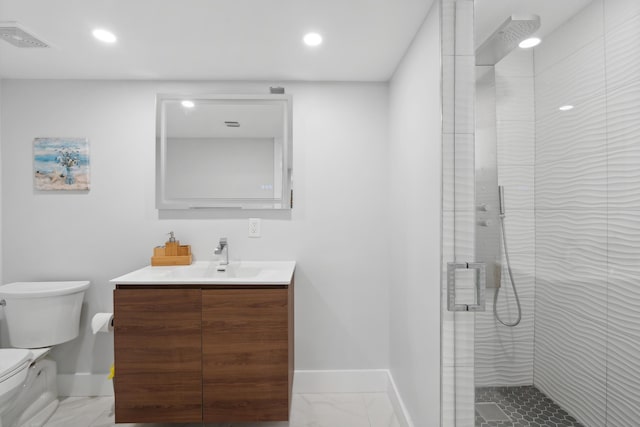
479 281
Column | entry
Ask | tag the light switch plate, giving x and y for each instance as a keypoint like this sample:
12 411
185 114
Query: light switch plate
254 227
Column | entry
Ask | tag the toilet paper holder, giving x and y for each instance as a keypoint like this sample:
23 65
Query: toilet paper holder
102 322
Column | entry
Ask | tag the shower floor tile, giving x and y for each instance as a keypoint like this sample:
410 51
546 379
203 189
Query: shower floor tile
526 406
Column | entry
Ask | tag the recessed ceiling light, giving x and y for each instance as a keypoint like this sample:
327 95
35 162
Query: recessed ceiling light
188 104
529 43
312 39
566 108
104 35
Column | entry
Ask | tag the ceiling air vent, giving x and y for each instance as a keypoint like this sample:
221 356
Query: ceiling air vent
12 33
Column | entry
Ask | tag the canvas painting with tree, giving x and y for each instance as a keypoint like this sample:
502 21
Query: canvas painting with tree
61 163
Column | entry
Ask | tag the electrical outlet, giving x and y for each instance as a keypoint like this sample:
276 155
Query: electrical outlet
254 227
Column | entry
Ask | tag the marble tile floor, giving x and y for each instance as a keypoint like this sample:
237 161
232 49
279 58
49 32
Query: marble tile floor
307 410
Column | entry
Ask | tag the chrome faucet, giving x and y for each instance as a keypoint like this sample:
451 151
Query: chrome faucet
223 246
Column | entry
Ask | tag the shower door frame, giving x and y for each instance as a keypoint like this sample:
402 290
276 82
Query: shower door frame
458 209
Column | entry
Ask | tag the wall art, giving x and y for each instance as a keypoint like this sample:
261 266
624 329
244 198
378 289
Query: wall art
61 163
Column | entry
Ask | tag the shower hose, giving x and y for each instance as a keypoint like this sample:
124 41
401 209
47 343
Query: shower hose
513 283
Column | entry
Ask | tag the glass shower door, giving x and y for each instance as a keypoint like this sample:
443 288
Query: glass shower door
557 128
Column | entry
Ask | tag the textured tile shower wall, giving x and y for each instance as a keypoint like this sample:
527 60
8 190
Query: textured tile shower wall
587 215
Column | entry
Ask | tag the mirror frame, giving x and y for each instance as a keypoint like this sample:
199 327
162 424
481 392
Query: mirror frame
284 202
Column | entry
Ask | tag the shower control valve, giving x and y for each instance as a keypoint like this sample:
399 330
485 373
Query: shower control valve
483 207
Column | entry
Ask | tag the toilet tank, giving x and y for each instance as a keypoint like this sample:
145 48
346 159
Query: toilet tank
42 314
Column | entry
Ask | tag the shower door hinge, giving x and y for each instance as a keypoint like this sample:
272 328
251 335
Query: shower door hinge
479 281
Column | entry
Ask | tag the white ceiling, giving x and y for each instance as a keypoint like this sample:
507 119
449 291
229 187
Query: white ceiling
235 39
212 39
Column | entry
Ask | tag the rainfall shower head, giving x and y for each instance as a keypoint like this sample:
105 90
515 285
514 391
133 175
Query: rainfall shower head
512 31
13 33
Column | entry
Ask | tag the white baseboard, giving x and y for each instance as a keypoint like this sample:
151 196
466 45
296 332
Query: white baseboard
354 381
345 381
398 404
84 385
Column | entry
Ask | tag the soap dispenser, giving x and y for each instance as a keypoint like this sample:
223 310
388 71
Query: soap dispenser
172 253
171 246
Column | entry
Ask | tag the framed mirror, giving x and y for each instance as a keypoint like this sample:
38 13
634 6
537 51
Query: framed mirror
223 151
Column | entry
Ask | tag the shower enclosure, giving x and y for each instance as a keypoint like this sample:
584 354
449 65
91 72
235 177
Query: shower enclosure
557 126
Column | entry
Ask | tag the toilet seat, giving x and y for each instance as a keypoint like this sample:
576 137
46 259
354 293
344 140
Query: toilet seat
12 361
37 353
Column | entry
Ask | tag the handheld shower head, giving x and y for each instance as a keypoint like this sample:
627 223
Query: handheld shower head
506 257
501 199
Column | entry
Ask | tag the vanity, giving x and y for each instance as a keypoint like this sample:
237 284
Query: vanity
193 344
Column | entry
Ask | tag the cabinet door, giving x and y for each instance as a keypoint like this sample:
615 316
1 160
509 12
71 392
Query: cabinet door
245 355
158 355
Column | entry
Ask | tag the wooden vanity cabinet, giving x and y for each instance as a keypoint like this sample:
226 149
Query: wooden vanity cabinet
245 355
158 355
198 353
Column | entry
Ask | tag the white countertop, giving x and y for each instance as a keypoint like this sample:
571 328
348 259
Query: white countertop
205 273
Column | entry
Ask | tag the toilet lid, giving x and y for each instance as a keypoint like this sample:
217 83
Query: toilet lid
42 289
12 360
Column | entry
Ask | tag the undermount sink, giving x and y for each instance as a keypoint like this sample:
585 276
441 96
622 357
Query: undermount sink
212 270
204 272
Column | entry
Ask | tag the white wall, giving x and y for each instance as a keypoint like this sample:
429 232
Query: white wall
415 179
336 232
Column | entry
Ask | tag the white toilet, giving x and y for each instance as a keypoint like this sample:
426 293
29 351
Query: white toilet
38 316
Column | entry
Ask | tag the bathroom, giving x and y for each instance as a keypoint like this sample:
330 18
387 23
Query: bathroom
382 172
